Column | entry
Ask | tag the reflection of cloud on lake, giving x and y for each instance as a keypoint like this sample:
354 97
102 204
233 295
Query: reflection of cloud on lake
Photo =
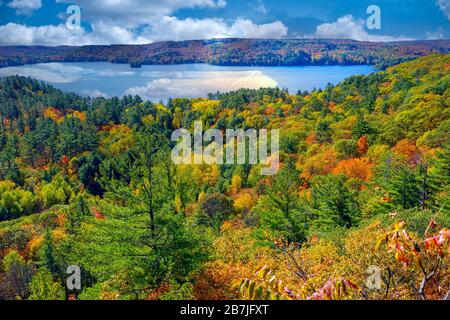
248 80
162 74
50 72
114 73
61 73
199 84
159 82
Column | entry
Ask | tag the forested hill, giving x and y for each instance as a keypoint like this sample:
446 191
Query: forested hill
242 52
364 182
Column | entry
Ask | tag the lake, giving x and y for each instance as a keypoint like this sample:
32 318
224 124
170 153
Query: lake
160 82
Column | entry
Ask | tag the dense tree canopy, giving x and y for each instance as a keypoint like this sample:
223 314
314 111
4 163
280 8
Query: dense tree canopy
90 182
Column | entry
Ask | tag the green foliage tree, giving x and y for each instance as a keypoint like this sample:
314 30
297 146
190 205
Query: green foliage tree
332 203
280 211
14 201
14 283
440 181
43 287
58 191
138 226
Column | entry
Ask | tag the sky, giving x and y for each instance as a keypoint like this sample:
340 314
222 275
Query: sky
43 22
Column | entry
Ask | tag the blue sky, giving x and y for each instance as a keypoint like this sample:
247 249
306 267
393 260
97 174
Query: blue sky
144 21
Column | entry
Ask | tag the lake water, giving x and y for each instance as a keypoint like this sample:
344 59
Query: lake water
160 82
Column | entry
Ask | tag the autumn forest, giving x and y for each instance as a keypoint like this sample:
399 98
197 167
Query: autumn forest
358 210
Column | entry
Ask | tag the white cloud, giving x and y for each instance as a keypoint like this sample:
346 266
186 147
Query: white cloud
134 13
136 22
25 7
435 35
94 93
261 8
18 34
103 33
445 7
172 28
347 27
167 28
52 35
247 29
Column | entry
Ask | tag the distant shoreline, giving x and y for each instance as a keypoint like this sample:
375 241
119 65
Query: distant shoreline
232 52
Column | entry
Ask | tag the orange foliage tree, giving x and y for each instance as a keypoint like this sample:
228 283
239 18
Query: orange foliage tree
356 168
407 149
362 145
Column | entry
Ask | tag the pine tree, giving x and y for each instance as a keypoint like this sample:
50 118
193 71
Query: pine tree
439 180
403 184
332 202
43 287
361 128
284 192
77 211
48 259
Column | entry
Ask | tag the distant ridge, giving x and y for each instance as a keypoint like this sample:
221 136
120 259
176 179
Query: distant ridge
232 51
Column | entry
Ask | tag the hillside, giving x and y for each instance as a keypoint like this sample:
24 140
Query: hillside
364 182
242 52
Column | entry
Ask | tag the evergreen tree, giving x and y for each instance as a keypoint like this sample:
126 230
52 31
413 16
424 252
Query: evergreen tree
333 203
78 210
440 180
43 287
361 128
48 258
285 188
